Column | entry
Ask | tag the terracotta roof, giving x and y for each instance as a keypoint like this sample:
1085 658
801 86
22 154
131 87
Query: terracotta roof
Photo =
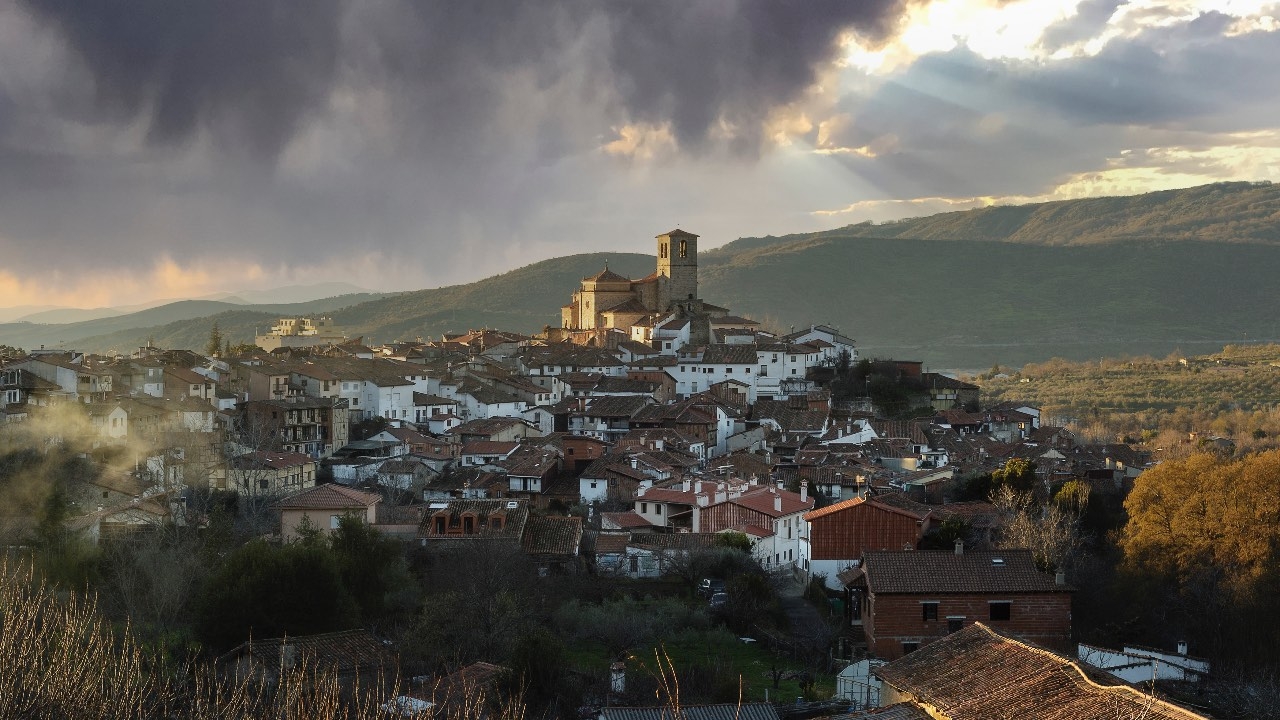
552 535
624 520
943 572
977 673
668 495
903 504
489 447
612 543
762 500
832 509
607 275
329 496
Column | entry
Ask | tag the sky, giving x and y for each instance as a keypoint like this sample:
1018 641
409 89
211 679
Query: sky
152 149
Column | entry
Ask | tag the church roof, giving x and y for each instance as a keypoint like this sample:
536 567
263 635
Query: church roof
607 275
678 233
630 306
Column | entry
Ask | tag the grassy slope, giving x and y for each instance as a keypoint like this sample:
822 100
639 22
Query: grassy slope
1223 212
1243 379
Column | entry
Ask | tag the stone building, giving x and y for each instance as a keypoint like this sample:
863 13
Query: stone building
608 301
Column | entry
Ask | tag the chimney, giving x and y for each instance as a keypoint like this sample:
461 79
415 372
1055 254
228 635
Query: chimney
703 501
959 546
779 483
640 491
1060 578
633 463
1182 647
804 491
688 485
618 677
777 503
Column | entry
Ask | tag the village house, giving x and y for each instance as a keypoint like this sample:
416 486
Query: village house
839 534
312 426
272 472
907 599
323 507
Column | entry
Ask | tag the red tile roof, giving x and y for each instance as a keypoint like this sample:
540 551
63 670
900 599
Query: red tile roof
977 673
762 500
328 497
552 535
625 520
944 572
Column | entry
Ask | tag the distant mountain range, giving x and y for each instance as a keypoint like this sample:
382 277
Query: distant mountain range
52 314
1186 269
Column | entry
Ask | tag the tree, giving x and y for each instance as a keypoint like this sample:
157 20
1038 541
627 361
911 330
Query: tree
1017 474
267 591
372 568
214 346
1205 532
1051 533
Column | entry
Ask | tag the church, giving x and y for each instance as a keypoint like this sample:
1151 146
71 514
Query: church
608 301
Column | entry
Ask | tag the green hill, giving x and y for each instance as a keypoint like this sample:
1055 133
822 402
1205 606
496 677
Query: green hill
1222 212
123 333
1188 269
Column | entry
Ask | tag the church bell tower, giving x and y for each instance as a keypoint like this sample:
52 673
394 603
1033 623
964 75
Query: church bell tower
678 266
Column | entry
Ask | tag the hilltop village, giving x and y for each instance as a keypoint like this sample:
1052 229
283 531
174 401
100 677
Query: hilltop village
650 427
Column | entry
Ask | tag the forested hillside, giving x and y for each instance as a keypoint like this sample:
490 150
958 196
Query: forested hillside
1186 270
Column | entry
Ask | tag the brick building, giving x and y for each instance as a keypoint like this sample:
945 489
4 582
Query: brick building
839 534
910 598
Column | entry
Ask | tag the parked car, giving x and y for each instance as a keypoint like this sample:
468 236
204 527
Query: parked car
710 586
718 601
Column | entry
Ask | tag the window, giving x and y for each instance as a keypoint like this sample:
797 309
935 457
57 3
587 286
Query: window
684 248
954 624
1000 610
910 647
644 508
635 563
929 611
662 251
593 484
334 521
439 526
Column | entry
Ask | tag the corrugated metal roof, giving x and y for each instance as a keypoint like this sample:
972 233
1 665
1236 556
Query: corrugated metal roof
726 711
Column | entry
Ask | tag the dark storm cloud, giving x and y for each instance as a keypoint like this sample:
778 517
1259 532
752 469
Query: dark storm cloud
447 135
246 70
251 70
709 58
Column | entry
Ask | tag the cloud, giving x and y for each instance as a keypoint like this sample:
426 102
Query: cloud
395 143
440 135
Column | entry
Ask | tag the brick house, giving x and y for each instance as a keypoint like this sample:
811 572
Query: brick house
839 534
911 598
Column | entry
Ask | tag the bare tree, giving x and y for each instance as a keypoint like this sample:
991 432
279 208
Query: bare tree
1049 531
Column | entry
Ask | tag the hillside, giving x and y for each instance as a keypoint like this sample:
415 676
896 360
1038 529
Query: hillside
123 333
1219 213
1000 285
